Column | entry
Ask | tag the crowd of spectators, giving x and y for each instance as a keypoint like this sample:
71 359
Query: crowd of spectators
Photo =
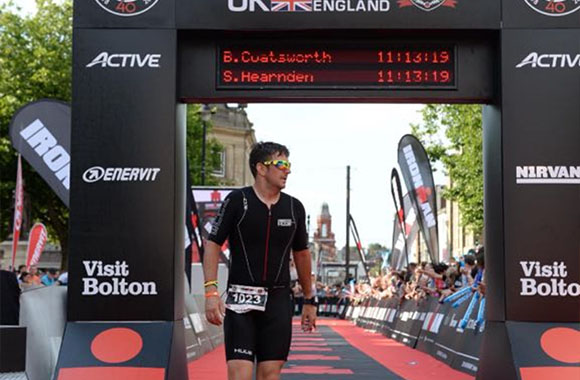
33 277
415 282
14 282
419 281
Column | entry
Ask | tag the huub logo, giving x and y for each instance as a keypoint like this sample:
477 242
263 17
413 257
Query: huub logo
126 8
104 59
550 61
243 351
98 173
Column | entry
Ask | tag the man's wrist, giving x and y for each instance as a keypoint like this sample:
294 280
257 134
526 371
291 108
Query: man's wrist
311 301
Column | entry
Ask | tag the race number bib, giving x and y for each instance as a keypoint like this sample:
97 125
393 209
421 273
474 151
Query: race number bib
242 299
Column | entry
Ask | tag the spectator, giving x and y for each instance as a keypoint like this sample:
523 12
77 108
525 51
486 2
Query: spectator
9 298
21 268
467 270
63 279
25 280
34 277
50 277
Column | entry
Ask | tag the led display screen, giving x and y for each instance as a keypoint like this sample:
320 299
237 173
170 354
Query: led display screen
381 66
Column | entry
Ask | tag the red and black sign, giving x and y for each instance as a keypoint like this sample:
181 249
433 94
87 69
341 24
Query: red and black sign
119 351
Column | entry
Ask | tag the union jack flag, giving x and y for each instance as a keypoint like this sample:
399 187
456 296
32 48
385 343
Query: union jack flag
291 5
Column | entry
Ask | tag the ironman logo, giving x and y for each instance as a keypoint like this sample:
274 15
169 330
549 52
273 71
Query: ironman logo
126 8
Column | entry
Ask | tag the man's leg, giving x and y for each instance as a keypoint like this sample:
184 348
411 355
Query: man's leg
269 370
240 369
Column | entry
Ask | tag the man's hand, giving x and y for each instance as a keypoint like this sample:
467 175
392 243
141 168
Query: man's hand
215 309
308 318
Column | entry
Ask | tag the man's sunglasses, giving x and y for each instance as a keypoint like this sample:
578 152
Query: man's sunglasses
280 164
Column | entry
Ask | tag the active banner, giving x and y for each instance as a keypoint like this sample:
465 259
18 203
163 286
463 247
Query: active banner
40 131
418 178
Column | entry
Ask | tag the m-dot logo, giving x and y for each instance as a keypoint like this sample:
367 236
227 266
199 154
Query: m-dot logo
554 7
126 8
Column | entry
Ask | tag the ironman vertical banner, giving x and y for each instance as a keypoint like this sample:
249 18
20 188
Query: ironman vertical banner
418 178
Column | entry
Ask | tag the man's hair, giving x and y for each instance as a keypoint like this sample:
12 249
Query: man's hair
263 151
469 260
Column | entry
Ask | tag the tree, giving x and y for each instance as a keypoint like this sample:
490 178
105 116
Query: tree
461 152
213 148
35 63
375 258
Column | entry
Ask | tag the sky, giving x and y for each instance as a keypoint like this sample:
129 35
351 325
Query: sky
323 139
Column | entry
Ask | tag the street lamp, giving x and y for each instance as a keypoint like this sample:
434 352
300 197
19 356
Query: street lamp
205 115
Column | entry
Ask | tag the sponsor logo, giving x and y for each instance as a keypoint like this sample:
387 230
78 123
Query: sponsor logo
111 280
98 173
562 175
427 5
421 191
126 8
546 280
284 222
554 7
46 146
243 351
309 5
550 61
469 366
105 59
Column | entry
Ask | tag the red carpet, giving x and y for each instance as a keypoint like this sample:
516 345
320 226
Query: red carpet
309 359
406 362
211 366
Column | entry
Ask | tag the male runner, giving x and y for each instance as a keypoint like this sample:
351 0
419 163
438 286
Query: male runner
263 225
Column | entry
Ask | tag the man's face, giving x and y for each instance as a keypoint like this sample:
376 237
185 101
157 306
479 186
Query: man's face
275 176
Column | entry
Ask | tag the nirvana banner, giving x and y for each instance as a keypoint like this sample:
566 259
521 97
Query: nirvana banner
418 177
40 131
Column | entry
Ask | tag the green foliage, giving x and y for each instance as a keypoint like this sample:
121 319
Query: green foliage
374 258
452 134
35 63
213 148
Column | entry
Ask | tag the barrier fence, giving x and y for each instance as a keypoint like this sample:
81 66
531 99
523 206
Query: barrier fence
426 325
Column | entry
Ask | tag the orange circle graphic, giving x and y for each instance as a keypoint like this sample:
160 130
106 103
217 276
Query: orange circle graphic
116 345
562 344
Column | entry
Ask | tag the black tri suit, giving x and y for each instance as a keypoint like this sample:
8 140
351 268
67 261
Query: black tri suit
260 242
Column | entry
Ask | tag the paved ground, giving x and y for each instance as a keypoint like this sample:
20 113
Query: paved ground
338 350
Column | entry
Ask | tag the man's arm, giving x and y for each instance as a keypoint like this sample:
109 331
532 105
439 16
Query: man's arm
303 262
214 306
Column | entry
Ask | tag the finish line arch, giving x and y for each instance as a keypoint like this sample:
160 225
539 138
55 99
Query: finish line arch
136 63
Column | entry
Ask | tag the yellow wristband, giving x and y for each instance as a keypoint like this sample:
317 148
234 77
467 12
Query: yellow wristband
210 283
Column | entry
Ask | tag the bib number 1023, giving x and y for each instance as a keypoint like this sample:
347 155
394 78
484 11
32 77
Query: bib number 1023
242 299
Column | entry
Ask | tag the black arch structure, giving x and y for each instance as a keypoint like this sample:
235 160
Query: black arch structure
134 65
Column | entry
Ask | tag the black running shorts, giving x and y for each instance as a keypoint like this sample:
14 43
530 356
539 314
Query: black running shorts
261 335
